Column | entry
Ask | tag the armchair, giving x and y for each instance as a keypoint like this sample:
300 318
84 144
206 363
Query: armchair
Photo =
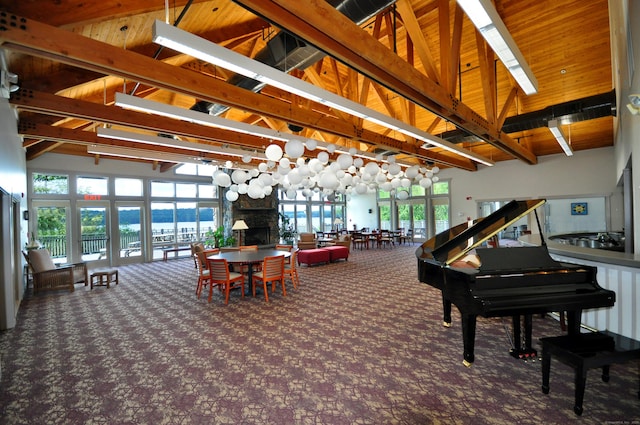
306 241
46 276
343 240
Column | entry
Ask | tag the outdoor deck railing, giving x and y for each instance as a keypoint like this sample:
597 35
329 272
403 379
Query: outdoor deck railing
96 243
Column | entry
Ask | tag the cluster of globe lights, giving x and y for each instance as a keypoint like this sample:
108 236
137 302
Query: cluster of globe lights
347 174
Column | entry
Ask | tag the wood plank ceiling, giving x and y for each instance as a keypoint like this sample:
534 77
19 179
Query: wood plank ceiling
419 61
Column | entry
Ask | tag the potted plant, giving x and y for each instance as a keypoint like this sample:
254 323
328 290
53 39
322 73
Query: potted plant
216 238
287 232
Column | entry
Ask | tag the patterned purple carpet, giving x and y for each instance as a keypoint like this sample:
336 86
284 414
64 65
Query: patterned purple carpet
360 342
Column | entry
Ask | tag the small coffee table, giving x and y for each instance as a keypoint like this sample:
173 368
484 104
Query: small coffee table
103 277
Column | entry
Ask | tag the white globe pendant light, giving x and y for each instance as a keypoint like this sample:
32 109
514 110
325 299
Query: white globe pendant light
273 152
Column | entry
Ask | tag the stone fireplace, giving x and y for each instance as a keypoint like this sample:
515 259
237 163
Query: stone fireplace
257 236
261 216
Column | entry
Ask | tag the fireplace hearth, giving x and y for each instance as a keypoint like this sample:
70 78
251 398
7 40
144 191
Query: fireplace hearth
257 236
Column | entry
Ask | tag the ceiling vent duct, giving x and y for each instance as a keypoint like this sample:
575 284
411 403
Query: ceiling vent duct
286 52
584 109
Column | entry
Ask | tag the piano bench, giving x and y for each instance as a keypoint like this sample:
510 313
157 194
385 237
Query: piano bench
584 352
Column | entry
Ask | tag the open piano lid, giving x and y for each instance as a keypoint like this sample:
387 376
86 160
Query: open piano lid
455 243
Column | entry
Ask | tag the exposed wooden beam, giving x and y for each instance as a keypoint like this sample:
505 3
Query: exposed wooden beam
60 13
28 100
59 134
318 23
487 74
42 40
417 38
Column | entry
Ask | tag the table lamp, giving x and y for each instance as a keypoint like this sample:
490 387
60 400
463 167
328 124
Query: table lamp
337 222
239 225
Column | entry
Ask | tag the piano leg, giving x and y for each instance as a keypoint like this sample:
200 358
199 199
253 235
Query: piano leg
518 351
574 319
446 309
528 326
468 337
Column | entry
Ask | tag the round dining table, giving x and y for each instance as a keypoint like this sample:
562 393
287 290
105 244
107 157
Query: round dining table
250 258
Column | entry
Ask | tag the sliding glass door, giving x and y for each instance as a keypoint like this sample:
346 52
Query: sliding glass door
94 242
52 230
130 247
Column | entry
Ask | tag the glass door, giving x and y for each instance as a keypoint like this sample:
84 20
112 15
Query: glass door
412 219
52 229
403 215
130 234
163 225
94 242
441 217
384 216
419 221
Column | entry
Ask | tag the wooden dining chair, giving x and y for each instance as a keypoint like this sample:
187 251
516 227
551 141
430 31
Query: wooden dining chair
195 248
291 269
204 277
281 247
385 239
221 276
244 268
249 248
358 240
272 271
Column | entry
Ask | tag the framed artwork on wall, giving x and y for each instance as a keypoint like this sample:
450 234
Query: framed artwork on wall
579 208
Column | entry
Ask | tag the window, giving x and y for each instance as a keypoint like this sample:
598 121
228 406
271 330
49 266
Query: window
383 194
50 184
315 213
424 210
196 169
92 186
162 189
417 190
128 187
186 190
440 188
187 169
181 210
207 191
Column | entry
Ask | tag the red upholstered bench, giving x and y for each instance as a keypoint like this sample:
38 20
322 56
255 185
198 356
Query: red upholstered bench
337 252
313 256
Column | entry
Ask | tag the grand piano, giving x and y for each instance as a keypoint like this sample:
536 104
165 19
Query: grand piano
505 281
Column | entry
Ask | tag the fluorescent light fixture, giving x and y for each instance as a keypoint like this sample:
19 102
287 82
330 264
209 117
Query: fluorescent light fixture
141 154
143 105
486 19
185 42
149 106
111 133
557 132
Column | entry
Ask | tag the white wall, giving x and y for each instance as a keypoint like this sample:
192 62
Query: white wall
625 25
358 208
12 181
585 174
